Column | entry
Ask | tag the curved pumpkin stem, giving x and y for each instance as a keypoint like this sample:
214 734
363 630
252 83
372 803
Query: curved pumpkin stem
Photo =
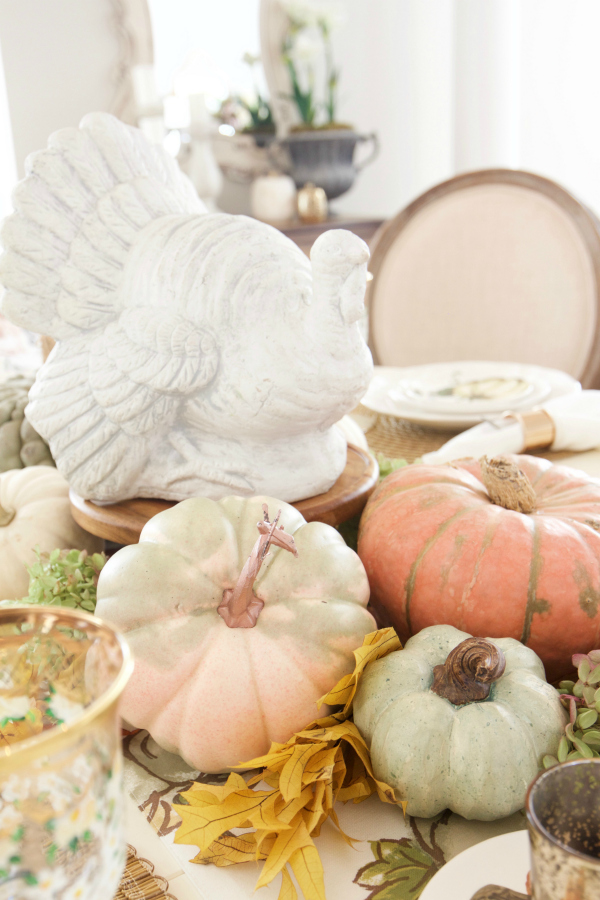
507 485
240 607
469 671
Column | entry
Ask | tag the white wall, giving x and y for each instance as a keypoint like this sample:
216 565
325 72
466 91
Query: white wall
222 30
560 94
8 164
395 59
59 59
486 74
454 85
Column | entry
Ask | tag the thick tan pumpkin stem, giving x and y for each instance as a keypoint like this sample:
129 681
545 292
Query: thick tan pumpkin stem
6 516
469 671
507 485
240 607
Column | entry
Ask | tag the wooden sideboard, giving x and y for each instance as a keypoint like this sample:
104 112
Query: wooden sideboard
306 235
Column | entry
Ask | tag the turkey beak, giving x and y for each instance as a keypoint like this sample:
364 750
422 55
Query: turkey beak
352 295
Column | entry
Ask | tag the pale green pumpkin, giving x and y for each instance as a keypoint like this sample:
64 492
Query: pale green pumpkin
476 759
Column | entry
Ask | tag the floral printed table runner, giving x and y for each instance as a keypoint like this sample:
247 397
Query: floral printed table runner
393 857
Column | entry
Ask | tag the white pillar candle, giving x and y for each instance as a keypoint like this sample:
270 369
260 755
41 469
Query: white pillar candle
273 198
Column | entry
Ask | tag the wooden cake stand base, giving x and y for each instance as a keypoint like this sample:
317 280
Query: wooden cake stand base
123 522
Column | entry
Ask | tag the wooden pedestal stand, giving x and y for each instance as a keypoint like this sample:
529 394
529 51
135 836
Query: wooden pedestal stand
123 522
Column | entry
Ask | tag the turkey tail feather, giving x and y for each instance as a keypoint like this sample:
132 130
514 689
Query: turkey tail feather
77 213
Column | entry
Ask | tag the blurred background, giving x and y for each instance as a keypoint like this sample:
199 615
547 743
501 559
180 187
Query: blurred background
447 85
313 114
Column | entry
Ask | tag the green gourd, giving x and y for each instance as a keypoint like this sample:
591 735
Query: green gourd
459 722
20 444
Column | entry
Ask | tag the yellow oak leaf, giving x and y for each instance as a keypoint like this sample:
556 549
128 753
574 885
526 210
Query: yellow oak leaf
203 825
322 762
199 794
267 817
287 890
386 793
308 869
332 733
229 850
201 798
313 819
315 813
329 799
284 848
274 760
291 807
375 645
264 842
316 802
355 790
290 780
271 778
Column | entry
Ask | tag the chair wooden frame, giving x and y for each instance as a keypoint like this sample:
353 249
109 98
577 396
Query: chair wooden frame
587 224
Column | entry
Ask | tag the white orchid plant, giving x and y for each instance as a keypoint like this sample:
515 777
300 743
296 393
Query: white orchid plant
308 37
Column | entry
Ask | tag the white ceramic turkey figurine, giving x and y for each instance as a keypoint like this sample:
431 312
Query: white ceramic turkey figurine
197 353
238 625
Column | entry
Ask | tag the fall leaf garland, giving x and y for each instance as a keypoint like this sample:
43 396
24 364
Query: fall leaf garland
325 762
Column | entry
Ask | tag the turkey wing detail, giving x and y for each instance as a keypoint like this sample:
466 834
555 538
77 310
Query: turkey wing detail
64 410
77 213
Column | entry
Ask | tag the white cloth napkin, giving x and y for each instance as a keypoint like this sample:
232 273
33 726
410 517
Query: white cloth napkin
576 420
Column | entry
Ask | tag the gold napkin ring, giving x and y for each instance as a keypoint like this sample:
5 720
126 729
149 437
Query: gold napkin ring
538 427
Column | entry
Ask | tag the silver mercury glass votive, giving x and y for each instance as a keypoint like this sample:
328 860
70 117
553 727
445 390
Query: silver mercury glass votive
563 812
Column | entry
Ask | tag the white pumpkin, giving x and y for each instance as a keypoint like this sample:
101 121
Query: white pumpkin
35 510
475 756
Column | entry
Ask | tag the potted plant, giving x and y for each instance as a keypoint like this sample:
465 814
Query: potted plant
321 148
262 124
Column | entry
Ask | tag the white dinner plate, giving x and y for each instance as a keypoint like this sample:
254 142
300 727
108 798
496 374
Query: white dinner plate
502 860
471 389
422 394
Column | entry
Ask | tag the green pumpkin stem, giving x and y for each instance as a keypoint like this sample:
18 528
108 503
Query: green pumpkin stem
240 607
469 671
6 516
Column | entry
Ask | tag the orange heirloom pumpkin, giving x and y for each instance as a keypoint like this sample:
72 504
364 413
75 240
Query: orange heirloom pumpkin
438 549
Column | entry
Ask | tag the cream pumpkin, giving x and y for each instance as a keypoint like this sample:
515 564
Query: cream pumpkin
490 553
215 693
34 510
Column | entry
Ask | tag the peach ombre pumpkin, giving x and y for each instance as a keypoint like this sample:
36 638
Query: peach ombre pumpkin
507 548
237 625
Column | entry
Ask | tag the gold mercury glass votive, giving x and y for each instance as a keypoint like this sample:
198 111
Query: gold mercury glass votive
61 797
